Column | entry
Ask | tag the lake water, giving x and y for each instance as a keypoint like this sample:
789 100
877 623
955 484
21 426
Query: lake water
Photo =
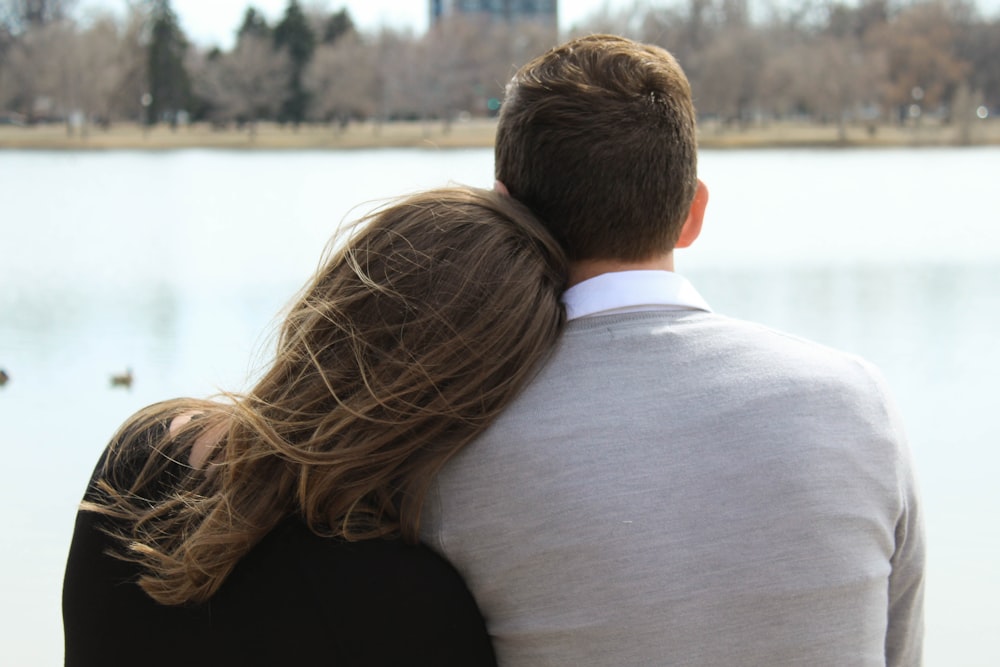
175 264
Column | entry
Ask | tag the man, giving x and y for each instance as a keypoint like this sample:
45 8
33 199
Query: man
675 487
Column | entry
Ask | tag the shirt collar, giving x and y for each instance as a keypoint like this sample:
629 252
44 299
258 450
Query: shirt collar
629 292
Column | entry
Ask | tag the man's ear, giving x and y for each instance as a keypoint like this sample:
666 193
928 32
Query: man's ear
498 186
696 216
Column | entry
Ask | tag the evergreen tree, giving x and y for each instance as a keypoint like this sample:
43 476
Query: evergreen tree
169 84
295 37
254 25
338 25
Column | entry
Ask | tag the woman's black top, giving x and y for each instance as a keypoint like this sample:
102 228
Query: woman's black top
295 599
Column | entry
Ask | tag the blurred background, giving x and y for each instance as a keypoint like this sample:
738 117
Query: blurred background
851 151
861 68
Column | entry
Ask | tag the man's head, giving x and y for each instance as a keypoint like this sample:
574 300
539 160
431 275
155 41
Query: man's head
597 137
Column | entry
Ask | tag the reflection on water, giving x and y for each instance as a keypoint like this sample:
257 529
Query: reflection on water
185 295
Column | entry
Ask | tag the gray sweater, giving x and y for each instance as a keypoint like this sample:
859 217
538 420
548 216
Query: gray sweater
682 488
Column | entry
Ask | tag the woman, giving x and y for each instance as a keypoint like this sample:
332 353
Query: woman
280 527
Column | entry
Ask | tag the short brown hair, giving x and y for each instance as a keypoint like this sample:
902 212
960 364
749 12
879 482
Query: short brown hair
597 137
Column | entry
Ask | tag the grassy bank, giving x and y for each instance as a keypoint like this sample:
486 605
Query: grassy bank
265 136
468 134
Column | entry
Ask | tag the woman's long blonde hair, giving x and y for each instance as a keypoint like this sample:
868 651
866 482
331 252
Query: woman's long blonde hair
406 344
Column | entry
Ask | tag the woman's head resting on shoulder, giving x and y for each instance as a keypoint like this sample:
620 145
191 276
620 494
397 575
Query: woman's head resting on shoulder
407 344
410 339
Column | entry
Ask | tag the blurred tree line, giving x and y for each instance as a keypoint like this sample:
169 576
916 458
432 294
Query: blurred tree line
869 61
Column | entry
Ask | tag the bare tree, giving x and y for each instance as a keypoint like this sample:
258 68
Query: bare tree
397 61
964 106
342 80
60 69
730 73
923 68
519 42
246 84
35 76
467 61
100 67
837 79
978 43
133 82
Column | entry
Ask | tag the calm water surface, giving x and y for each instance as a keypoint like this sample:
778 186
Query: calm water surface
175 265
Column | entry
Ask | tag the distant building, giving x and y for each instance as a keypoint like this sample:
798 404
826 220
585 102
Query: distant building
546 11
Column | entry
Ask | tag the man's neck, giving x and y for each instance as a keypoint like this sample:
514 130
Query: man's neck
585 269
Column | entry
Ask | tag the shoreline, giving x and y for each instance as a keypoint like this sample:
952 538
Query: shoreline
475 133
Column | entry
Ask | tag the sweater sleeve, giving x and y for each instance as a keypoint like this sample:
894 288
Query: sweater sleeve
905 630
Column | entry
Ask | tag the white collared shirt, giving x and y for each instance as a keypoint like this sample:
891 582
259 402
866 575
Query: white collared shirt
631 292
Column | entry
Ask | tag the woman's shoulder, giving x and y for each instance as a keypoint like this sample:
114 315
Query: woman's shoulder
145 441
372 589
373 570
